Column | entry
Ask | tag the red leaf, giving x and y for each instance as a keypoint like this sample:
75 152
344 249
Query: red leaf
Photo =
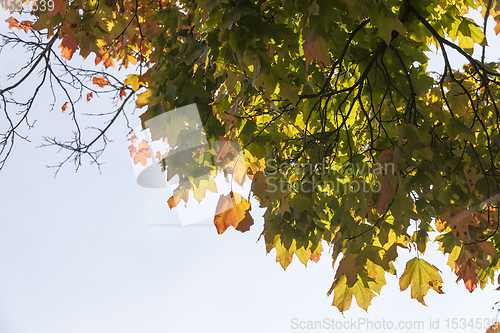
315 46
68 46
385 192
89 96
467 273
59 7
100 81
64 107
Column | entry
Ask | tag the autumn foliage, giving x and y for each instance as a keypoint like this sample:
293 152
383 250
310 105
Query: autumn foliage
321 96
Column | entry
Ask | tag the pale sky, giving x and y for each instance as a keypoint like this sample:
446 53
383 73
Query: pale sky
78 254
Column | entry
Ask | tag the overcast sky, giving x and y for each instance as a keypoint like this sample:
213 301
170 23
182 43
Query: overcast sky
79 254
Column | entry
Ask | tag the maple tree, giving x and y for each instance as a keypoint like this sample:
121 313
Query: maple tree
320 95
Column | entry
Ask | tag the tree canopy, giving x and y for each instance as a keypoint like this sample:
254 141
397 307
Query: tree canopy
347 139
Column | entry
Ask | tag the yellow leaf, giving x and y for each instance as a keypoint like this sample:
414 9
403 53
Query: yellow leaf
133 80
422 276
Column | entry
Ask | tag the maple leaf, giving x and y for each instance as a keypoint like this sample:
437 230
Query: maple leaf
349 268
100 81
171 202
123 93
64 107
132 150
467 273
108 62
132 138
259 187
284 256
121 45
202 185
458 218
342 294
133 80
26 26
385 192
13 23
369 283
363 295
304 255
180 193
315 46
59 7
142 153
68 46
106 59
228 149
239 170
89 96
232 210
422 276
495 328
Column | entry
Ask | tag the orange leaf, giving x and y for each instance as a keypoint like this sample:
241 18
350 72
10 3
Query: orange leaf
142 153
100 81
495 328
315 257
89 96
108 62
64 107
171 202
180 193
26 25
232 210
13 23
123 93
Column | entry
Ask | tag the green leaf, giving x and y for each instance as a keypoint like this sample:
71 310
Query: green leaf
458 128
